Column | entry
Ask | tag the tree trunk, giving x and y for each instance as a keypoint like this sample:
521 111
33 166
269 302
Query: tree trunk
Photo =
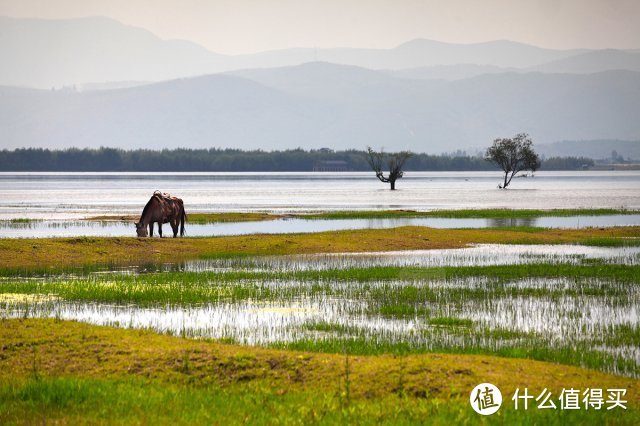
504 185
393 184
510 177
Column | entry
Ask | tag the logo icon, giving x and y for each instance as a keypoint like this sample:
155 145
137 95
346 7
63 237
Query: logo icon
485 399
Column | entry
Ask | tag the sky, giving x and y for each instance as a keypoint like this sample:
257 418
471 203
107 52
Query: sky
248 26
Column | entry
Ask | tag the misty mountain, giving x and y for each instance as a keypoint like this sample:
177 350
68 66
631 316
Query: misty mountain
499 53
591 62
413 54
340 83
205 111
326 105
449 72
52 53
44 53
480 108
110 85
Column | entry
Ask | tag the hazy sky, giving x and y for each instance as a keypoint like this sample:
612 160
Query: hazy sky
245 26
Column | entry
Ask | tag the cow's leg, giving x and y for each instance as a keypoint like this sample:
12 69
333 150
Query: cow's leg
160 229
174 226
151 229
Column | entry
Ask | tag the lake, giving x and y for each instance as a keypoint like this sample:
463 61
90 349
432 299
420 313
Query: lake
78 195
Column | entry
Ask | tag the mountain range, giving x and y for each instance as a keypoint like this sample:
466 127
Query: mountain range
44 53
127 88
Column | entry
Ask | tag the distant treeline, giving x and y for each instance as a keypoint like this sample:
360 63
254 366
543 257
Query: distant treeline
233 160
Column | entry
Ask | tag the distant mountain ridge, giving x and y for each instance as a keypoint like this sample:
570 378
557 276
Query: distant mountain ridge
592 62
52 53
326 105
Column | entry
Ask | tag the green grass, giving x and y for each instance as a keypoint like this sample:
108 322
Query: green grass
581 355
105 401
450 322
612 242
64 372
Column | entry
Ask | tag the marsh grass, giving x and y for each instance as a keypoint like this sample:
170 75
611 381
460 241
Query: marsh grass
184 288
539 310
450 322
21 220
467 214
612 242
401 310
204 218
373 311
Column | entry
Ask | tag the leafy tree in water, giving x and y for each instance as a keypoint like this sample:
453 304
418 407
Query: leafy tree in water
513 155
395 162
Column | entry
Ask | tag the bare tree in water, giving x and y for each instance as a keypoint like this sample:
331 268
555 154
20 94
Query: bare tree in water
513 155
394 162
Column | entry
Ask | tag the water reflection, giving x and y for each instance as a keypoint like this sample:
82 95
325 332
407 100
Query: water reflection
513 222
476 255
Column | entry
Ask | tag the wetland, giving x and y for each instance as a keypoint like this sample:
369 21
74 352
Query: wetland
384 314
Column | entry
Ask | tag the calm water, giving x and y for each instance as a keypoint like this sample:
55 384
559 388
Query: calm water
75 228
77 195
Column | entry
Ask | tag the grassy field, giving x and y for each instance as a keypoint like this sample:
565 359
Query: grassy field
69 373
388 214
21 254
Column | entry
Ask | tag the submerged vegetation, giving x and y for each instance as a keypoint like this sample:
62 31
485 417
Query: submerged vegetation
526 310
